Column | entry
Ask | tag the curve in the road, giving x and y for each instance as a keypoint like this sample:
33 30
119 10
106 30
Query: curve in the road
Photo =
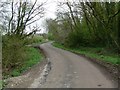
72 71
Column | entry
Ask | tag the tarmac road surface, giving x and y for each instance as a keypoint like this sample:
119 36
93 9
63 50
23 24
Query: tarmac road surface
73 71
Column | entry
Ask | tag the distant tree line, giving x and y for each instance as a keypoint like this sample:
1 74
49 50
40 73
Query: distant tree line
87 24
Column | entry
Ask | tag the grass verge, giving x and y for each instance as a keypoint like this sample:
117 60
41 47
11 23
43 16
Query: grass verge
96 53
33 57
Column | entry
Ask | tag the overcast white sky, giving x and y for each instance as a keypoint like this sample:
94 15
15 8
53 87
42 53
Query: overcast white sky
50 9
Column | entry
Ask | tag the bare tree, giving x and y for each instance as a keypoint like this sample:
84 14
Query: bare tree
21 15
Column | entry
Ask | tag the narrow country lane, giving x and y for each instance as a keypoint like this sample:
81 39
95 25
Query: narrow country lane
68 70
72 71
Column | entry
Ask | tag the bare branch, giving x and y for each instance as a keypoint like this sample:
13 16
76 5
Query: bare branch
33 21
110 18
9 25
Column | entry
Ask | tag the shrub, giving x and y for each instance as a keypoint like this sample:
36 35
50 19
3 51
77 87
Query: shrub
13 53
34 39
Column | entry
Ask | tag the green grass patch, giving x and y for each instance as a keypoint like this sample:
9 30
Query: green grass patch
1 84
33 57
93 52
